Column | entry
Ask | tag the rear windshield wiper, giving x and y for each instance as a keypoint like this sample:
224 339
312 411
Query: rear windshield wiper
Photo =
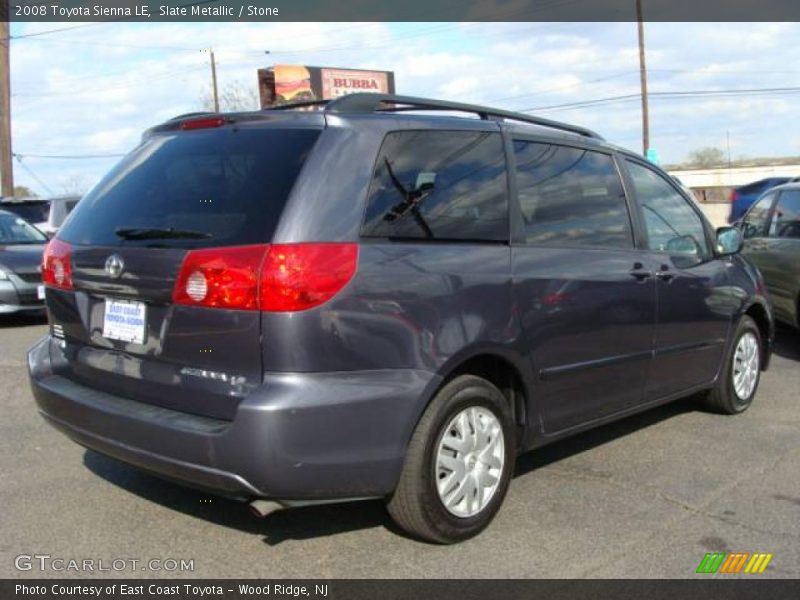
141 233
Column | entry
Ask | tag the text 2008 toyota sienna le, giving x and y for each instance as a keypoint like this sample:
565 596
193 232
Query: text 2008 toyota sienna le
379 300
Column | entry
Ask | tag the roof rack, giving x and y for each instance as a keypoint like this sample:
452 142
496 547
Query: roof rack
368 102
303 104
365 102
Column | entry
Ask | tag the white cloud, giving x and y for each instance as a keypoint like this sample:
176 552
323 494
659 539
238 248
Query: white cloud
95 89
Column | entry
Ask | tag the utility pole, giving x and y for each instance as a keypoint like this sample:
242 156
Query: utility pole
6 168
728 139
643 78
214 80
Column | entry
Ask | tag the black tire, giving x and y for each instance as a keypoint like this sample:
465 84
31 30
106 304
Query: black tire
723 398
415 505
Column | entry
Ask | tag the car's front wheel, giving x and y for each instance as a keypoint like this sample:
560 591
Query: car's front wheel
458 465
738 382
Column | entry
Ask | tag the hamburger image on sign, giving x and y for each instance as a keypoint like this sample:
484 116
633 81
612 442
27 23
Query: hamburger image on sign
292 84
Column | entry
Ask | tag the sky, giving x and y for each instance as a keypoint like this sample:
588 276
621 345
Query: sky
88 93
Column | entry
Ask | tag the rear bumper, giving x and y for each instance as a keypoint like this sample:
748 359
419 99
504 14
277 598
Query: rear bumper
300 436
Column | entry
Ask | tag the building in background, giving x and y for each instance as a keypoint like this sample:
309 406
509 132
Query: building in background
281 84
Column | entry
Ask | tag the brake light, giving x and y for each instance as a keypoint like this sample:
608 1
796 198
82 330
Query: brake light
734 196
220 277
278 278
301 276
203 123
57 265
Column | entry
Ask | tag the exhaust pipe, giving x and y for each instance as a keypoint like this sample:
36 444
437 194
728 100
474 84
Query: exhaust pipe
262 508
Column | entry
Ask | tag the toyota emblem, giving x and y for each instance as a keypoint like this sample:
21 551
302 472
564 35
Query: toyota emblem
114 266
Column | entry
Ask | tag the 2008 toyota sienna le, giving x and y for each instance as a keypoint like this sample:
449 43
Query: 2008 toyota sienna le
385 297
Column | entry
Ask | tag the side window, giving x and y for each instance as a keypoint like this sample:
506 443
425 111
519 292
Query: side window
755 221
786 222
439 185
672 224
571 196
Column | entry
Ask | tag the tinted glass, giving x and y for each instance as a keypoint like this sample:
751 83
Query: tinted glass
672 224
32 212
15 230
439 185
755 220
227 184
786 222
571 196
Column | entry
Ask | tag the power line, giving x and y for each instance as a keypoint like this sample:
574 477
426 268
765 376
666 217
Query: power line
49 31
380 43
734 92
616 76
117 45
669 95
68 80
272 39
564 87
584 103
126 84
33 175
389 42
19 156
37 34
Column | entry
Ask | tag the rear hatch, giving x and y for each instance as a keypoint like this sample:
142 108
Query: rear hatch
197 189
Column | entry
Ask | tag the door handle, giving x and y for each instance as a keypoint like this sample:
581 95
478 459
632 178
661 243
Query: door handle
664 273
640 273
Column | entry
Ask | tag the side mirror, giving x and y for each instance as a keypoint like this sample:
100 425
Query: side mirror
729 241
685 244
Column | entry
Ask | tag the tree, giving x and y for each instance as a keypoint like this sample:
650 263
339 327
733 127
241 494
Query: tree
704 158
233 96
74 185
23 191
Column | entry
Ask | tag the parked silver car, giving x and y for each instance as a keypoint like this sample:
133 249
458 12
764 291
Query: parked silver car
21 248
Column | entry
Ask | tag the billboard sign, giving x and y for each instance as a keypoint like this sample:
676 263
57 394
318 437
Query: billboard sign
338 82
284 84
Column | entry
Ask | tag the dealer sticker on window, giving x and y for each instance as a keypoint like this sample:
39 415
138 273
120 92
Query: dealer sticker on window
125 320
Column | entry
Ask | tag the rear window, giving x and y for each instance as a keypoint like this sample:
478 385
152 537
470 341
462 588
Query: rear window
15 230
227 184
32 212
449 185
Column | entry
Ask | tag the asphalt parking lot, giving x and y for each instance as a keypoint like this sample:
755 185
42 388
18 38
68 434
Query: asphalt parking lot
645 497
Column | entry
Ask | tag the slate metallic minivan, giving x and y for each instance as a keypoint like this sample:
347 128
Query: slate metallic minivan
385 297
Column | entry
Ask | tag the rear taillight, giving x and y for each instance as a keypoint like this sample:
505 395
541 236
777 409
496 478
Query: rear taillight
280 278
302 276
734 196
221 277
57 265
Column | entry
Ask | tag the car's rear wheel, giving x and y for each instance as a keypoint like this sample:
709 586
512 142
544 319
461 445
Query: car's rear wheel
458 465
738 382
